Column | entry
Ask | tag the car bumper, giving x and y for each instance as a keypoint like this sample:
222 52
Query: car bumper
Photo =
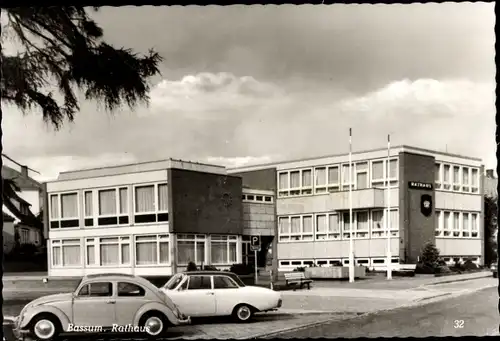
183 320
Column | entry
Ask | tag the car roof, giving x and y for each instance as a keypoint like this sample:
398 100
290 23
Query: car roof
117 275
209 273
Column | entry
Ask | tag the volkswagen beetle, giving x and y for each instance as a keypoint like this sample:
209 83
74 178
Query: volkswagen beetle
116 302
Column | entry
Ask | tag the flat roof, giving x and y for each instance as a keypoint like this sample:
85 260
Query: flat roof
397 148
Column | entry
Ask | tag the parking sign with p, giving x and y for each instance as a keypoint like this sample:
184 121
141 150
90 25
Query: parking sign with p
255 243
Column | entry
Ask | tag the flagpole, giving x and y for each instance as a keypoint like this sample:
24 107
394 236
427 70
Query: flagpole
351 227
388 230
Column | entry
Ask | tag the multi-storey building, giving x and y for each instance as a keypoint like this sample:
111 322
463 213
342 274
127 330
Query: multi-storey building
153 219
434 196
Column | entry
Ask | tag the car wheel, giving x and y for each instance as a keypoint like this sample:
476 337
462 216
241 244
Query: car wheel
154 324
243 313
45 327
495 274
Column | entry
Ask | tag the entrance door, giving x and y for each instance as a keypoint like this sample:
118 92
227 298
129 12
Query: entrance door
248 256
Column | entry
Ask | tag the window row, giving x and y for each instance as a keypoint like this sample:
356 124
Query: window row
110 206
336 262
457 224
257 198
335 226
335 178
149 250
456 178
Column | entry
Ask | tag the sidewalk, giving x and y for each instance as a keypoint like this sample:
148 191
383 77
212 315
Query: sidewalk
365 300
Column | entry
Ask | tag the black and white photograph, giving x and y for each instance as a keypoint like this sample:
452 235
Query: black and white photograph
249 171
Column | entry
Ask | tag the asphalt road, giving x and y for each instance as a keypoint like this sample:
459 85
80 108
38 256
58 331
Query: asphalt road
474 314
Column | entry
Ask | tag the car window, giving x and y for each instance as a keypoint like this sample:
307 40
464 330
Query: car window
174 282
130 290
199 283
97 289
224 282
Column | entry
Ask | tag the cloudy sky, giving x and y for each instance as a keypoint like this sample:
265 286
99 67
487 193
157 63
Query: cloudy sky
259 83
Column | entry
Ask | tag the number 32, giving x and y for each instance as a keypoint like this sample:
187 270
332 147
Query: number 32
458 324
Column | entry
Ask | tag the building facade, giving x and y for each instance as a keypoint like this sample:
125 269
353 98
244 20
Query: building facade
312 206
152 219
23 197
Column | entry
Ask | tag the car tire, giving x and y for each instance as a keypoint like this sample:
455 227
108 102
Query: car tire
243 313
155 320
495 274
45 327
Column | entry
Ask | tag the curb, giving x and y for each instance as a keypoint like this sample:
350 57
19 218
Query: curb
459 280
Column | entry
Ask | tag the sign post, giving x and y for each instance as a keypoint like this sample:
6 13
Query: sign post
255 246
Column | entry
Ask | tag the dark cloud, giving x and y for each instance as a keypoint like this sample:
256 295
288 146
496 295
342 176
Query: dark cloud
361 46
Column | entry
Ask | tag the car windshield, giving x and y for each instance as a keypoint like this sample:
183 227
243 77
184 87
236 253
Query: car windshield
78 284
238 280
174 282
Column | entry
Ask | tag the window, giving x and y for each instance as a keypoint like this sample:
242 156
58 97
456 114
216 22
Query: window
347 179
90 251
456 178
112 206
151 203
130 290
224 282
446 177
333 226
296 228
465 225
362 225
88 208
456 224
283 183
66 253
199 283
333 179
25 236
447 224
437 175
190 248
378 173
114 251
378 228
439 225
474 225
98 289
64 210
475 180
284 228
346 223
394 223
320 180
152 249
321 226
257 198
24 208
465 179
296 182
362 175
223 249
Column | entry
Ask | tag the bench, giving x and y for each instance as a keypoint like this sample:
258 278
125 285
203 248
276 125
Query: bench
297 279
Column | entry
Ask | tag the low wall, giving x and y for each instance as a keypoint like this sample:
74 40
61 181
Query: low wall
334 272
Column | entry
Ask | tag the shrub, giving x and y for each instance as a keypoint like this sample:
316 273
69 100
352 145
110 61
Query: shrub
442 269
191 267
242 269
469 265
299 269
424 269
210 268
430 253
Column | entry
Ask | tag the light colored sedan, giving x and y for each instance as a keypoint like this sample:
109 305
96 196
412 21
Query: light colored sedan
219 293
116 302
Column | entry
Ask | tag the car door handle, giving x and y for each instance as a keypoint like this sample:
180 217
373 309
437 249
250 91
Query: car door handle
110 302
210 293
